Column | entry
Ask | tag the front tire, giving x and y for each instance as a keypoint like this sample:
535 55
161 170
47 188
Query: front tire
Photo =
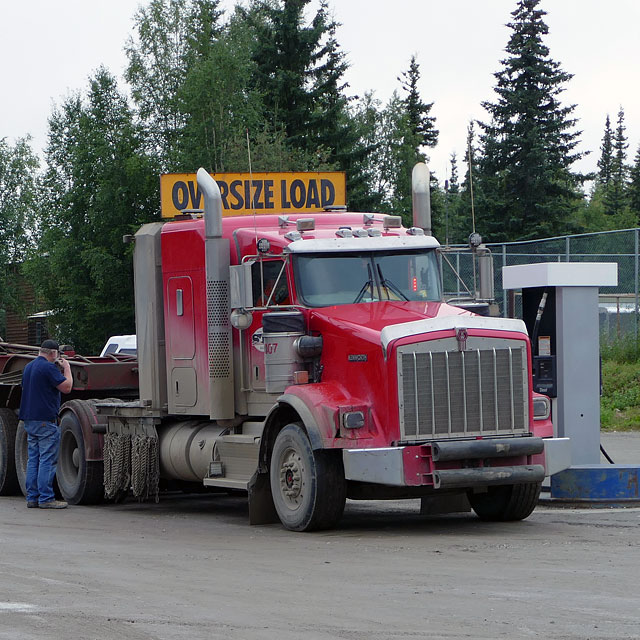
8 479
80 482
506 503
308 487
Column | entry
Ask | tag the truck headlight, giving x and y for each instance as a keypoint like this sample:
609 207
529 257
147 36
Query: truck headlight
541 408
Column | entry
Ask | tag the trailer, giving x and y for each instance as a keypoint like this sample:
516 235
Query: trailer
303 360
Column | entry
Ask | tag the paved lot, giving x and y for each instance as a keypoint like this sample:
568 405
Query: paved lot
191 567
623 447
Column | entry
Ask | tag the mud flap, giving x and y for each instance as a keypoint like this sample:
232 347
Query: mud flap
261 507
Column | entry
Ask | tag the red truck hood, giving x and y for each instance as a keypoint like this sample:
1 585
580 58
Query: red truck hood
369 320
375 322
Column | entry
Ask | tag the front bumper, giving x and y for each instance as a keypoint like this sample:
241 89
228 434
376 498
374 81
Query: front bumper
459 463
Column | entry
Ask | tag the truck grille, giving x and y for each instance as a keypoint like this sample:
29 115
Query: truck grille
462 393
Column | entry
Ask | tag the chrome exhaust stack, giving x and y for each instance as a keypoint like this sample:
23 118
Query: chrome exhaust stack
421 197
219 338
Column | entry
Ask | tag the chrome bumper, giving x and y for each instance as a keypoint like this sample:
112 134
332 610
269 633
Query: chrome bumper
418 465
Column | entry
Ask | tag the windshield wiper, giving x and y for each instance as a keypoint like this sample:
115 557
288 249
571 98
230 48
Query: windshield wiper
367 285
387 284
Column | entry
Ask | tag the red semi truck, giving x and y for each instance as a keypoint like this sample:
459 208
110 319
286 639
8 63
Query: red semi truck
304 360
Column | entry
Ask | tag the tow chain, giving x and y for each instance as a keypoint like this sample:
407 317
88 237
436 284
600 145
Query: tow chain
131 462
117 463
145 467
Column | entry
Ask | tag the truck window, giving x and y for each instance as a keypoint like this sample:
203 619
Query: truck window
269 284
352 277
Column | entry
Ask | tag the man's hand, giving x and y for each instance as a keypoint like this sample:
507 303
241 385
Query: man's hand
67 385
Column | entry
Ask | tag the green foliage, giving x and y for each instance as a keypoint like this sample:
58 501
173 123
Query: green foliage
218 106
458 209
525 185
98 186
287 54
396 134
272 72
625 349
634 188
620 403
18 204
158 63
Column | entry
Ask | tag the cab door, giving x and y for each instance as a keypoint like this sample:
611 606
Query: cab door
270 286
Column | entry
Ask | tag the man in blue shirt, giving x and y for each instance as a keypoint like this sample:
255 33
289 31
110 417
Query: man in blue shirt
42 383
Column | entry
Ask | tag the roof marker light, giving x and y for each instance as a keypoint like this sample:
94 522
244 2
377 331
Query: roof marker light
305 224
344 233
374 233
415 231
293 236
391 222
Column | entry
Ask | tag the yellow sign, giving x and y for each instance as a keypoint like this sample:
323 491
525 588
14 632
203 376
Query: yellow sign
267 192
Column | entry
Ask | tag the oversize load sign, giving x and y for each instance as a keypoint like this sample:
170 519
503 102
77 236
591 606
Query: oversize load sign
268 192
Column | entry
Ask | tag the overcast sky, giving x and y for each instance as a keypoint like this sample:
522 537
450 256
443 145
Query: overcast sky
49 49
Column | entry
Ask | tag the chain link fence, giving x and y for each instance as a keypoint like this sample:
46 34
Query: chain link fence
619 305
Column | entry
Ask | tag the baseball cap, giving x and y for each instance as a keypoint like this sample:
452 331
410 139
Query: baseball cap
50 344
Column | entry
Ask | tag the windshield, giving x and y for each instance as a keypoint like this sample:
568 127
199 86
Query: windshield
345 278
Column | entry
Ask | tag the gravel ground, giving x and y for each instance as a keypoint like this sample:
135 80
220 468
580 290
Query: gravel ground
191 567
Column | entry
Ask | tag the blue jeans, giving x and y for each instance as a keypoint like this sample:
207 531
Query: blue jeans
44 444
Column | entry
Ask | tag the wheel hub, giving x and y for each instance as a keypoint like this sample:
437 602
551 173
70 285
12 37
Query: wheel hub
291 478
75 458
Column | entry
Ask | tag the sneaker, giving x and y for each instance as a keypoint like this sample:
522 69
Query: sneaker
32 505
53 504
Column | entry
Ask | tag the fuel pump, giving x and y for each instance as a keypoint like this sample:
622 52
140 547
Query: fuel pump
539 313
560 310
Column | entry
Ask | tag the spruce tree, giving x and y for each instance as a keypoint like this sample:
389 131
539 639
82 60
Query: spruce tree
454 185
420 122
606 155
634 187
409 130
615 194
288 54
528 146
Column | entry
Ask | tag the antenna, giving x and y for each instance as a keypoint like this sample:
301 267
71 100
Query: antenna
473 218
473 212
446 213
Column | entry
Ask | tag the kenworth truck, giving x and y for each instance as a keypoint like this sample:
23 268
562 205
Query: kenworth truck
304 360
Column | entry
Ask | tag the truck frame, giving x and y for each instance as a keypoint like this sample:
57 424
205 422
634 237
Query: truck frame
304 360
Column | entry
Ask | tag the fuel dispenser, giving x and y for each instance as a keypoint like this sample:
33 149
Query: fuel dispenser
539 314
560 310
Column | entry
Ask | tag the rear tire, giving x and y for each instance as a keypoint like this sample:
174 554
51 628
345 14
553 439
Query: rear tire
8 479
21 459
80 482
308 487
506 503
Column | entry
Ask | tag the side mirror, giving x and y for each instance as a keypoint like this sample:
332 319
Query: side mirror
241 289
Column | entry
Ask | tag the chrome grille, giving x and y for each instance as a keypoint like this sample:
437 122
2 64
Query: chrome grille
462 393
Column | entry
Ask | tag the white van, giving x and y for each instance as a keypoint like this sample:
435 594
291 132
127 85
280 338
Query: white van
124 345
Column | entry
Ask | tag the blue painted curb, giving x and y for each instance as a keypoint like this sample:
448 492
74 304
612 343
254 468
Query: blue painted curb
598 482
